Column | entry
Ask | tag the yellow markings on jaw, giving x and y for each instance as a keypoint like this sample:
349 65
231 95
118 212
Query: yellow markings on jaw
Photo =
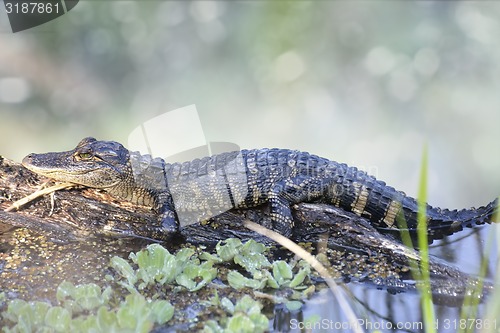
391 213
358 206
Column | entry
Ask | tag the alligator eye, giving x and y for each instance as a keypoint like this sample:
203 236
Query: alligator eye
84 156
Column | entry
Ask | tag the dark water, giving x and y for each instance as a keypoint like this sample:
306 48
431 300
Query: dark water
379 310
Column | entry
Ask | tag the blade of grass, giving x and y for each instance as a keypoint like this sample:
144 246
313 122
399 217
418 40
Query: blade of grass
475 290
491 323
420 272
21 202
425 292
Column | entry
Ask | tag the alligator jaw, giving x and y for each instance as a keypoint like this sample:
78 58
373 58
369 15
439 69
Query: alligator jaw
62 167
51 173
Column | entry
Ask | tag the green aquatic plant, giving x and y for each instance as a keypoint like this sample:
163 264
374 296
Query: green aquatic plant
279 275
261 274
249 255
84 308
156 265
83 297
245 316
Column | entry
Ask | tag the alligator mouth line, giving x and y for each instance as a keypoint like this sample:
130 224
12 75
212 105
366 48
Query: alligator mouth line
59 176
60 172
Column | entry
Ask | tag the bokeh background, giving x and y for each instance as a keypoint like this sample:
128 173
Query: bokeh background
363 82
368 83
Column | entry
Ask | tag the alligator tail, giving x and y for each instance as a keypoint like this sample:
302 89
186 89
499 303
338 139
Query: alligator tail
392 211
452 221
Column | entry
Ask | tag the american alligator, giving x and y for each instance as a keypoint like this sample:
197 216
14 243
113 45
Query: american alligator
184 193
352 246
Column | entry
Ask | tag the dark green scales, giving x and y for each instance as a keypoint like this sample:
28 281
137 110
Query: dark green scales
189 192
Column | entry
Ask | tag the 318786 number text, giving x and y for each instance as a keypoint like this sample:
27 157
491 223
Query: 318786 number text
32 8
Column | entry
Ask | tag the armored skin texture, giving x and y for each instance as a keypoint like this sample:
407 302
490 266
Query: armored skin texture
189 192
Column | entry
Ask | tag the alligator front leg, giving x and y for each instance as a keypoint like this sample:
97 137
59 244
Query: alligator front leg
168 221
162 229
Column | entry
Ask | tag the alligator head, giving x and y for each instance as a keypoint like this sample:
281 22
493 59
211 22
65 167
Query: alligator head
97 164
